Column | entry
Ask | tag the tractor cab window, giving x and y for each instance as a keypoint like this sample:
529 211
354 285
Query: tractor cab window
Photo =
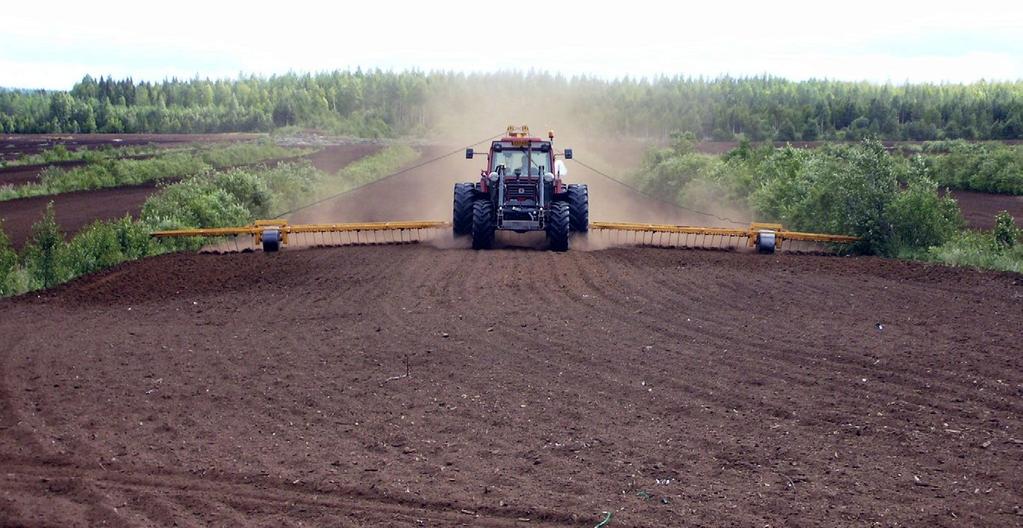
511 160
515 162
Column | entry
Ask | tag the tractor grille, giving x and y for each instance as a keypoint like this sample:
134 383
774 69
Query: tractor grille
521 190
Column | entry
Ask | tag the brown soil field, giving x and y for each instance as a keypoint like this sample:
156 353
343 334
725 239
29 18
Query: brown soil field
75 210
22 174
979 209
418 386
13 146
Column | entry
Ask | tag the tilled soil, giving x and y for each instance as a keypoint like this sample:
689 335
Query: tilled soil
979 209
409 385
73 210
417 386
13 146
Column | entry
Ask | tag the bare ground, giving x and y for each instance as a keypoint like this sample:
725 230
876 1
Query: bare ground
674 388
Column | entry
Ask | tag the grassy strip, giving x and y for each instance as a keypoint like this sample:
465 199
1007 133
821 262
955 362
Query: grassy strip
117 172
209 199
212 199
974 250
999 249
370 169
61 153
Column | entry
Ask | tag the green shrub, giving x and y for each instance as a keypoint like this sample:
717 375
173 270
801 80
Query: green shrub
666 172
976 250
1005 233
246 153
57 153
8 264
248 189
105 244
921 217
94 248
196 202
292 184
43 254
862 190
984 167
133 238
232 198
372 168
206 200
845 191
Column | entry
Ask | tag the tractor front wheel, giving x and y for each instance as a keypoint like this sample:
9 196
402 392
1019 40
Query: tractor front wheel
579 207
482 224
558 226
461 219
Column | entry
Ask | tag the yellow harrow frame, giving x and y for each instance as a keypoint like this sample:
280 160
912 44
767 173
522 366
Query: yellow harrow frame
272 234
765 237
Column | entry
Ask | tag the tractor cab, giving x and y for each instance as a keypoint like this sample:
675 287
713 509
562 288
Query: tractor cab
534 159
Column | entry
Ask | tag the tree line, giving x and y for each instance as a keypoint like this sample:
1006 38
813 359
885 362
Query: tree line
380 103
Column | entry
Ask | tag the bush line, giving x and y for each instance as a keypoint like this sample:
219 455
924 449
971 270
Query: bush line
209 199
105 172
892 202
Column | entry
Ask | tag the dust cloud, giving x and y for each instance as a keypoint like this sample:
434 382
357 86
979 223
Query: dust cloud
425 193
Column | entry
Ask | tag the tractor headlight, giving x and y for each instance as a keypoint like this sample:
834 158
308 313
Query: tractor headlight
548 178
493 177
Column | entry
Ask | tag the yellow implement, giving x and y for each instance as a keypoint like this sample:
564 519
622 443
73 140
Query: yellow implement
765 237
272 234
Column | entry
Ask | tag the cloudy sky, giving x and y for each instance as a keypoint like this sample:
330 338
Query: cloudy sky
53 44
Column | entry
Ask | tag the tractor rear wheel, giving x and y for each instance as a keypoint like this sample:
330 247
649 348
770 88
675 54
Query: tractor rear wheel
579 207
461 219
558 226
482 224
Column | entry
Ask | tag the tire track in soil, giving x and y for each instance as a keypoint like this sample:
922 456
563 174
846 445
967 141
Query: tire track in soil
246 501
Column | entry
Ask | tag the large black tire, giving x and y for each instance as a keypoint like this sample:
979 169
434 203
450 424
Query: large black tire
482 224
579 207
461 218
271 239
558 226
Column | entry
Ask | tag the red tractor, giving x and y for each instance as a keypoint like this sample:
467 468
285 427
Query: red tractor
521 190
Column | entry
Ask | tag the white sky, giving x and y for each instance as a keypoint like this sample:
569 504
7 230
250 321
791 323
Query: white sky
53 44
